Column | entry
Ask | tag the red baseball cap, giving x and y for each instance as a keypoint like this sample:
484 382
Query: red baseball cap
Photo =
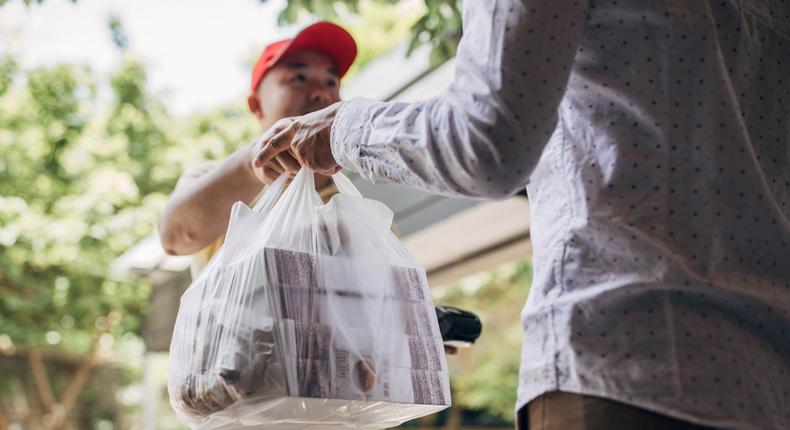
324 37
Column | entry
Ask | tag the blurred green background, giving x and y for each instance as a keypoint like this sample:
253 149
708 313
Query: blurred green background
87 160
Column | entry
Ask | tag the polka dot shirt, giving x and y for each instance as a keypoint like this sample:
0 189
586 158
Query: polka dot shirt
653 138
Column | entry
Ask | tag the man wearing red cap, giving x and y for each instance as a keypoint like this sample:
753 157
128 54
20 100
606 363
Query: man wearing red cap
291 77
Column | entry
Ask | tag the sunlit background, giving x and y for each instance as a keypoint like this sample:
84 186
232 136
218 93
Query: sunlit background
102 106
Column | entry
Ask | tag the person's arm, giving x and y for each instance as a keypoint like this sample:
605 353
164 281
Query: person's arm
483 136
199 208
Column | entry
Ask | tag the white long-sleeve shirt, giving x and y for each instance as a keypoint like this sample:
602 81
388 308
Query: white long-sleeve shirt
653 137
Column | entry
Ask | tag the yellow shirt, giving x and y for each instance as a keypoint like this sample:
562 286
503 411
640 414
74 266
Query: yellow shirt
202 257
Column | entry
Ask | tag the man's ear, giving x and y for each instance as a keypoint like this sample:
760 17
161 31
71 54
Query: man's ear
255 106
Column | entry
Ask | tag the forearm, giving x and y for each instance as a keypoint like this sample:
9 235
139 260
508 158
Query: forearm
484 135
198 212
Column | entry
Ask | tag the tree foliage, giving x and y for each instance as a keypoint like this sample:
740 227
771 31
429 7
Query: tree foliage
485 376
86 163
439 24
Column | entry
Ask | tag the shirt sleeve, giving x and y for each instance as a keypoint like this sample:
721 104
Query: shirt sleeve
483 135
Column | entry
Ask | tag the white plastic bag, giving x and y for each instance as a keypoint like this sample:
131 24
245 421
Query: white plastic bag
310 315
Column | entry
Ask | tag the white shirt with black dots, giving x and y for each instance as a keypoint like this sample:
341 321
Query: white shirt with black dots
653 138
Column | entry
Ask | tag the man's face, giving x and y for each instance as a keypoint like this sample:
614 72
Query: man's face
300 83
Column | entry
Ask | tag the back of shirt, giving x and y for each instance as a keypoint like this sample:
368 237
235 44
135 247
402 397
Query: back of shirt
664 199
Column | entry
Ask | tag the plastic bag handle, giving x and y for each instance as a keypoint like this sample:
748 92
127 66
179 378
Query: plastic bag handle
344 185
271 194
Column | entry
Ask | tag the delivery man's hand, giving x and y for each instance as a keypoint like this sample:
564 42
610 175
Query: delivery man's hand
305 138
283 162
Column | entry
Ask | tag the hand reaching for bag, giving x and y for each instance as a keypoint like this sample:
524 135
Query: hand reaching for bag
297 142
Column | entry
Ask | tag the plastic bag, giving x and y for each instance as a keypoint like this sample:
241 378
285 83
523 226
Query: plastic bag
310 315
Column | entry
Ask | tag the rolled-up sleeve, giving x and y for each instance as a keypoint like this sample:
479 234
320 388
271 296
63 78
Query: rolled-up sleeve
483 135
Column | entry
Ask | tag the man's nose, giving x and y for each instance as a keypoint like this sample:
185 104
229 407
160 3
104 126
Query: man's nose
322 94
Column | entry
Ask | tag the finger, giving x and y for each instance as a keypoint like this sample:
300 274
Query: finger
331 170
274 166
321 166
280 142
267 174
288 162
265 137
335 170
270 176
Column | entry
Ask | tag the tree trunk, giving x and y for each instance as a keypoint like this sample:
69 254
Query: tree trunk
55 414
454 420
77 383
425 422
42 379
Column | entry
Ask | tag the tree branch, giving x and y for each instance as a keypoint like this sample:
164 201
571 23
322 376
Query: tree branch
42 380
74 388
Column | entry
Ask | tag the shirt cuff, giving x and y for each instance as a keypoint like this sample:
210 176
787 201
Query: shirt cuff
351 129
